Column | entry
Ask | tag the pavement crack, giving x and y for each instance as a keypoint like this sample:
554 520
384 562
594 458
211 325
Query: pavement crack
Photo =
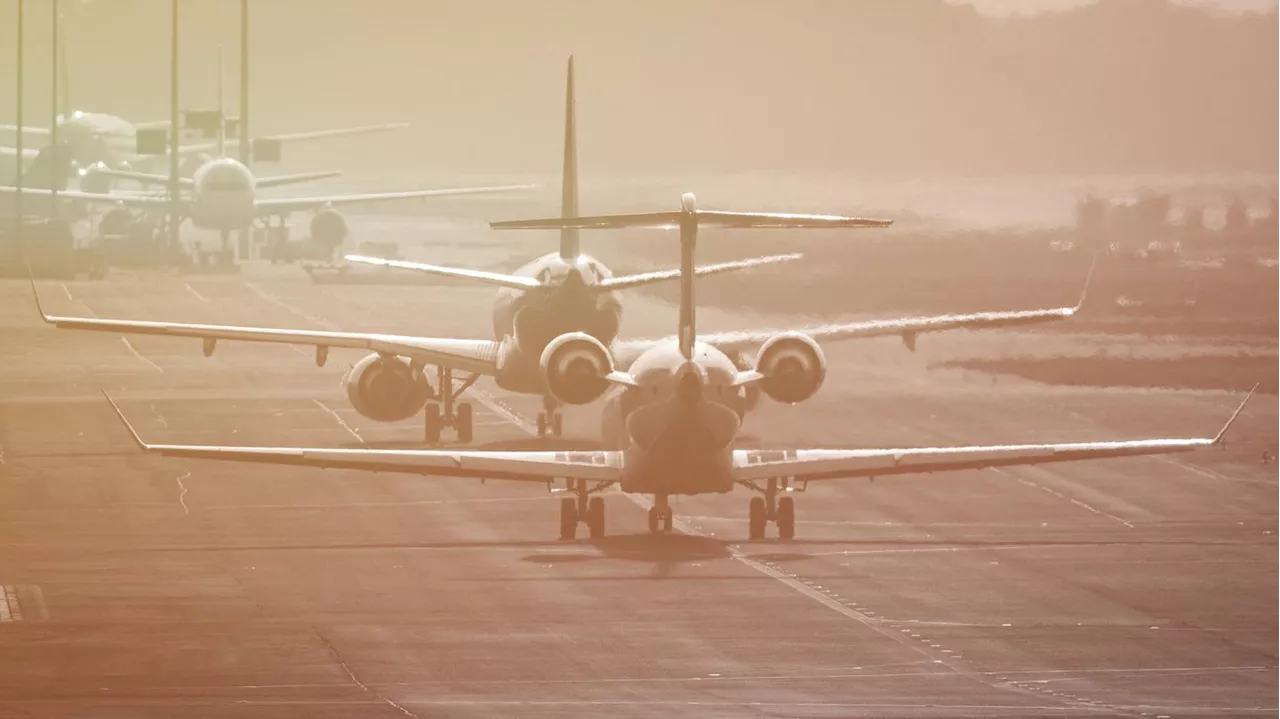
356 680
182 493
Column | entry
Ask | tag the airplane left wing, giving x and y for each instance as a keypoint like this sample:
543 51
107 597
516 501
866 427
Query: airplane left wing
286 205
231 142
27 152
623 282
597 466
819 464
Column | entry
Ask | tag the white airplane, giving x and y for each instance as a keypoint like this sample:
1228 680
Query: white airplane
537 308
101 141
678 404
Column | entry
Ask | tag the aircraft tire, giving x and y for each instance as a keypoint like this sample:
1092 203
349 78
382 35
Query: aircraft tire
568 518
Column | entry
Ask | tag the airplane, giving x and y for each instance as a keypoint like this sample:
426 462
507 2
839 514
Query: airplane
677 404
536 308
100 141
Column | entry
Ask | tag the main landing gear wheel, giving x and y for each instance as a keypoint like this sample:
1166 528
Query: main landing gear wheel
442 414
771 508
581 508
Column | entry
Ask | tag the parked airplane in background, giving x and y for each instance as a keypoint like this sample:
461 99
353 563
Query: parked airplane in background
678 405
559 296
101 141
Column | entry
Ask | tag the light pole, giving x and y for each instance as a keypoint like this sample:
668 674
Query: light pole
173 131
18 160
54 149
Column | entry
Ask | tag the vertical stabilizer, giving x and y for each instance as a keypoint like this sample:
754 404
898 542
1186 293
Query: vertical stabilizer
688 271
222 115
569 245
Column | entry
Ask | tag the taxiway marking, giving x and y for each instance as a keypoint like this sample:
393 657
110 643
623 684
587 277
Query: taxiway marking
333 413
192 290
182 494
123 339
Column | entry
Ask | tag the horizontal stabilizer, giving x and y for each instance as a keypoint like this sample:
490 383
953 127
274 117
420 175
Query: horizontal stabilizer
515 282
647 278
705 218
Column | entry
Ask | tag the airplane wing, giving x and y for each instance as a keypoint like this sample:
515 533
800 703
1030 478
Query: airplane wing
819 464
515 282
478 356
278 180
295 204
623 282
28 130
296 136
909 328
149 201
27 152
146 177
599 466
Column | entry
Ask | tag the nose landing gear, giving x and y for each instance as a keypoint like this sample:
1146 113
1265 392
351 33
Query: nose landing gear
549 419
660 515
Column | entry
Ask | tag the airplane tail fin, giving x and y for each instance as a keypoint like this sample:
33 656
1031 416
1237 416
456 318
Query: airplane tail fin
688 219
50 168
569 243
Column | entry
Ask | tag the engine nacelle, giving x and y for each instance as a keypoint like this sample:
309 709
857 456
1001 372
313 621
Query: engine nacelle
386 389
793 367
574 366
328 228
93 180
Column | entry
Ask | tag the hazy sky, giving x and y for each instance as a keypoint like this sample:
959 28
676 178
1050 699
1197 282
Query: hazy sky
878 86
1005 7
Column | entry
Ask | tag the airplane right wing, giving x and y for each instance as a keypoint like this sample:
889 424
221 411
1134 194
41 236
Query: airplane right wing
534 466
623 282
820 464
285 205
142 201
27 152
479 356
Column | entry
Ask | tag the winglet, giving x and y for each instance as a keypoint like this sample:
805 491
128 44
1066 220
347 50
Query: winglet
143 445
36 294
1088 280
1222 433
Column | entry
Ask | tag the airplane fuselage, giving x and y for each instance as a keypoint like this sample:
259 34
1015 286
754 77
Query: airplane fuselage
223 195
676 428
526 320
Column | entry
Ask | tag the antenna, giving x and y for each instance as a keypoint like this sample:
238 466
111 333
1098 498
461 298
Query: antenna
688 219
569 244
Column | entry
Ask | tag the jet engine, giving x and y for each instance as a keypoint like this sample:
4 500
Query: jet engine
793 367
93 180
328 228
386 389
574 367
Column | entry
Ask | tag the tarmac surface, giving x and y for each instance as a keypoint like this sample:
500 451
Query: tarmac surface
139 586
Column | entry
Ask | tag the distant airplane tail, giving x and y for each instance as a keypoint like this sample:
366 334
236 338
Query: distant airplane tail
569 244
688 219
50 168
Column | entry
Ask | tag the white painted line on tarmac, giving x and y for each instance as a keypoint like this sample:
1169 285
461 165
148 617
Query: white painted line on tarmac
192 290
338 417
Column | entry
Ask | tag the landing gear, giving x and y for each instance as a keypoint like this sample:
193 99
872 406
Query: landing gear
439 416
782 512
581 508
660 515
549 419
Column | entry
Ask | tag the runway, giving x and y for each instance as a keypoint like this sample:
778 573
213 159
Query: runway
142 586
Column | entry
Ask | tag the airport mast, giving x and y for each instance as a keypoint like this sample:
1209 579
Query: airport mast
18 157
173 131
56 152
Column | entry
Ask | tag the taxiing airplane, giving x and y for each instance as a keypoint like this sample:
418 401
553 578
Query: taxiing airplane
545 302
678 407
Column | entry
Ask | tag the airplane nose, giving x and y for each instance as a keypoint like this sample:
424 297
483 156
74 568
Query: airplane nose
689 389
